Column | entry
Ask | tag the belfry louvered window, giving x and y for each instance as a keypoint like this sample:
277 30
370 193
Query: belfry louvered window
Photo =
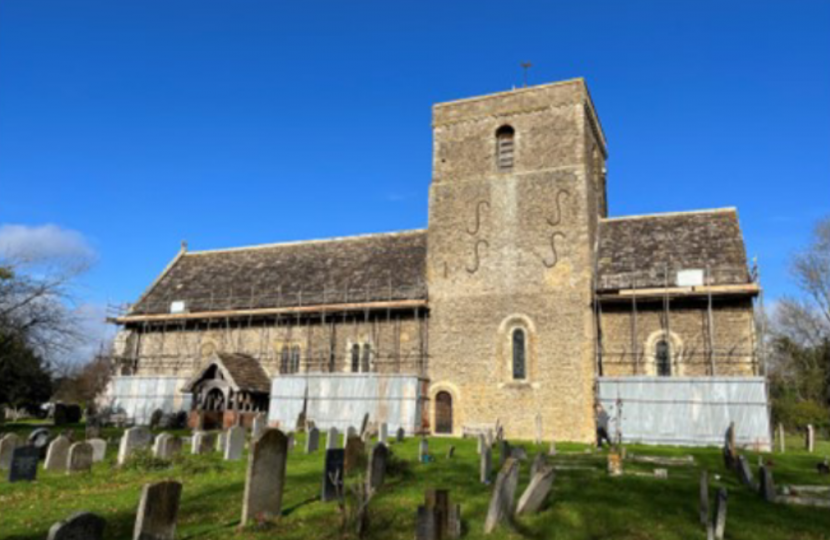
505 147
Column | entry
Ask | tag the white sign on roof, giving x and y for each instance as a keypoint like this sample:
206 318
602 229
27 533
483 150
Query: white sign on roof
690 278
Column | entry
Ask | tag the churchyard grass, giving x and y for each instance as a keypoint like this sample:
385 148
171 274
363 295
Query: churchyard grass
585 502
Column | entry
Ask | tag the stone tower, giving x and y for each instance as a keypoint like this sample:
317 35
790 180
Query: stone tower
518 187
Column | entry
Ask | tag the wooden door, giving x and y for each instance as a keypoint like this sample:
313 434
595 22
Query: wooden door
443 412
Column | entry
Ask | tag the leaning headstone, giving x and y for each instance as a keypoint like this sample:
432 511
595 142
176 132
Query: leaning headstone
536 492
400 435
782 443
8 443
265 478
331 438
538 463
767 486
730 453
24 464
423 450
355 454
504 452
78 526
383 433
134 438
333 473
486 465
79 458
810 440
258 426
377 466
745 472
720 514
158 511
234 443
56 454
504 492
364 425
450 452
704 498
99 449
312 440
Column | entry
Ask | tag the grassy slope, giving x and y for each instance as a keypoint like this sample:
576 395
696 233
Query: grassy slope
584 504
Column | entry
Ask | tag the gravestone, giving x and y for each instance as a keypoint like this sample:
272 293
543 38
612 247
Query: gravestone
56 454
538 463
355 450
203 442
745 472
782 443
810 440
538 429
400 435
258 426
92 431
221 441
79 458
333 473
486 465
265 478
536 492
160 445
454 522
519 453
383 433
39 438
427 523
730 453
99 449
331 438
450 452
350 432
134 438
78 526
364 425
504 492
158 511
482 442
312 440
8 443
767 486
423 450
719 524
234 443
439 500
24 464
292 441
552 449
376 472
504 452
704 498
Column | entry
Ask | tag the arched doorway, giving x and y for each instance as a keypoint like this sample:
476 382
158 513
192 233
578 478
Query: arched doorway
443 412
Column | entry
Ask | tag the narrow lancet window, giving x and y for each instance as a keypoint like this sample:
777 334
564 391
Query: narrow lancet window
662 357
355 358
367 356
519 356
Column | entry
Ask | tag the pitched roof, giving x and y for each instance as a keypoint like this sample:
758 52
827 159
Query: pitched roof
640 250
343 270
241 371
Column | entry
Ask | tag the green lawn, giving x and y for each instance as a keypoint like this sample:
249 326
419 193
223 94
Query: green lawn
584 504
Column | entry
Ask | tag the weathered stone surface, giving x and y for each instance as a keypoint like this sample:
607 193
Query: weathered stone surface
24 464
376 472
439 500
767 485
221 442
158 511
427 523
504 452
704 498
383 433
312 440
486 465
203 442
730 452
235 443
258 425
355 454
56 454
720 514
265 478
453 531
78 526
482 442
8 443
80 457
536 492
167 446
552 449
538 462
364 424
350 432
99 449
782 442
745 472
331 438
333 473
538 429
400 435
810 439
39 438
133 439
504 493
519 453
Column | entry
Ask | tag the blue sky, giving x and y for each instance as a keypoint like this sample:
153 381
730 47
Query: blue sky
128 126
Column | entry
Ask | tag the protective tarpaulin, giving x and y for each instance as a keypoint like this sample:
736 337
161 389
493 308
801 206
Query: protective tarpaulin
342 399
139 396
688 411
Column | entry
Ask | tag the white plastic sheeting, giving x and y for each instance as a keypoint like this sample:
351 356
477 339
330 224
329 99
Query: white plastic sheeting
139 396
341 400
688 411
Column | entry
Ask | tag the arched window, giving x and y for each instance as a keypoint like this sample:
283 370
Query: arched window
355 358
285 358
367 356
295 359
505 145
519 354
662 358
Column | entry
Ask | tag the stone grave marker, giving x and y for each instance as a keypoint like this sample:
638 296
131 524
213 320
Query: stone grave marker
312 440
538 429
427 524
134 438
400 435
423 450
160 445
331 438
79 458
292 441
782 443
767 486
258 426
486 465
745 472
234 443
8 443
158 511
203 442
333 473
78 526
92 431
350 432
704 498
265 478
383 433
439 501
504 492
538 463
364 425
552 449
99 449
221 441
24 463
730 453
482 442
355 454
376 472
810 439
504 452
719 524
450 452
519 453
56 454
537 491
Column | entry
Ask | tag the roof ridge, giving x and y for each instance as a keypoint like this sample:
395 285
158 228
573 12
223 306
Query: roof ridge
724 209
311 241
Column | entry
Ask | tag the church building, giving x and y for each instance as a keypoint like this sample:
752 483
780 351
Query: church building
523 304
